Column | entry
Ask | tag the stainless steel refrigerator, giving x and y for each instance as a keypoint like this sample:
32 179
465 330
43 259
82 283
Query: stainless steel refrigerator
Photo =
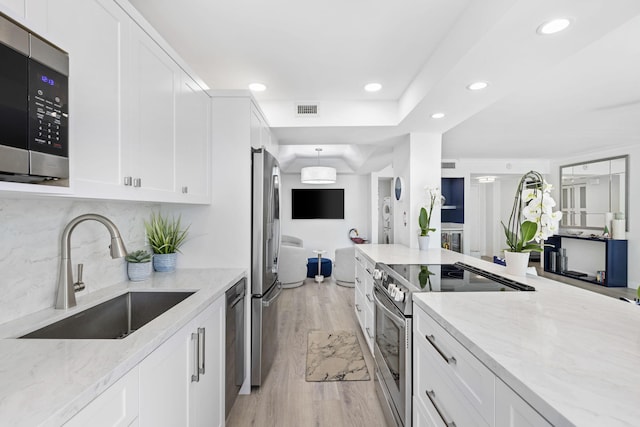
265 287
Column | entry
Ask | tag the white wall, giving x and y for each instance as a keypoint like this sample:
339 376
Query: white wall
30 232
328 234
417 161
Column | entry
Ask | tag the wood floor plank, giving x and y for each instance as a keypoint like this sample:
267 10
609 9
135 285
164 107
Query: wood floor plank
286 399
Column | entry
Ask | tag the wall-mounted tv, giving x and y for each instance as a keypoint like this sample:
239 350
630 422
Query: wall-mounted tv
317 203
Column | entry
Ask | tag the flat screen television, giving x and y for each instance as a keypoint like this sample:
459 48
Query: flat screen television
317 203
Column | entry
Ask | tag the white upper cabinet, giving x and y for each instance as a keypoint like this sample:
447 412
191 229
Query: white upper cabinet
139 124
149 124
95 45
193 140
15 7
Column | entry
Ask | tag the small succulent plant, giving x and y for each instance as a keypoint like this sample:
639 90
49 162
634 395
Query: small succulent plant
138 256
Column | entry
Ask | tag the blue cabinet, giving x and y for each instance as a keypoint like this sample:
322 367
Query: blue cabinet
615 260
453 208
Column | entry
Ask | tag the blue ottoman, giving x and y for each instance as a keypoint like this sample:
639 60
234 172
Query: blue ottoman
312 267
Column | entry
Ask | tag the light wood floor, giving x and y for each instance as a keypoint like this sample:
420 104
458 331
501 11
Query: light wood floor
286 399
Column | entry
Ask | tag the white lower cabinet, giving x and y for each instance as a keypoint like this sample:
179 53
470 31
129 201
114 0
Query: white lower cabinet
116 407
364 297
450 385
206 394
182 382
513 411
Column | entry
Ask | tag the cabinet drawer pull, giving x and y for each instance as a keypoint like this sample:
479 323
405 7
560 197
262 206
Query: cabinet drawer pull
432 397
195 374
358 259
369 333
369 271
358 280
201 356
358 308
432 340
369 298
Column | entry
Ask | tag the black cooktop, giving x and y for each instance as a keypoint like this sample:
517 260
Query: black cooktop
458 277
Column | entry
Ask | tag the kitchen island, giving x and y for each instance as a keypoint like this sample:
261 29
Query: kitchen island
571 354
47 381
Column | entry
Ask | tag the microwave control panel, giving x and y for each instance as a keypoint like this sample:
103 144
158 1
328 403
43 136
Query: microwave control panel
48 110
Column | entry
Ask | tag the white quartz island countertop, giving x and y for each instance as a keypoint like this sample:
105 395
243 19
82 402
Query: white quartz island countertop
574 355
47 381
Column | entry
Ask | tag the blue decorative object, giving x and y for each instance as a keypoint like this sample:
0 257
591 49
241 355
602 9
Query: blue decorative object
312 267
498 260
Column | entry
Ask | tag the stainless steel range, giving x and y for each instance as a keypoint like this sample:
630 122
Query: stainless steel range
393 290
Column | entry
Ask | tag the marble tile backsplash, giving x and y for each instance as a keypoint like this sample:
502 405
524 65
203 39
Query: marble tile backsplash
30 230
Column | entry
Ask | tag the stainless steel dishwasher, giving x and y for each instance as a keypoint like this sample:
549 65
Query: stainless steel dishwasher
234 349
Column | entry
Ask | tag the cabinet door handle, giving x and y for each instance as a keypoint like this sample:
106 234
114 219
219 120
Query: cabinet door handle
357 259
137 182
369 271
358 280
369 298
127 180
432 397
358 308
201 336
432 340
195 374
185 190
369 333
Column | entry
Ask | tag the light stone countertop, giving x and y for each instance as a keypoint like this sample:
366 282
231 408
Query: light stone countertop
45 381
574 355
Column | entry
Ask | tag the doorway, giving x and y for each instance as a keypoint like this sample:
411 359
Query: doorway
385 211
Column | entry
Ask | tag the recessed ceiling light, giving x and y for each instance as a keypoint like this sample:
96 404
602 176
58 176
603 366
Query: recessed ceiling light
257 87
553 26
373 87
477 85
437 115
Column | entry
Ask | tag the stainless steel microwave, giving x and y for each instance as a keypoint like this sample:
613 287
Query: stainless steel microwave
34 115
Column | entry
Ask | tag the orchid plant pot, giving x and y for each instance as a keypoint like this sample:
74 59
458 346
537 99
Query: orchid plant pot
423 242
517 262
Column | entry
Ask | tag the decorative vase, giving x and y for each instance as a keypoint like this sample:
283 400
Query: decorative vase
423 242
138 271
517 262
164 263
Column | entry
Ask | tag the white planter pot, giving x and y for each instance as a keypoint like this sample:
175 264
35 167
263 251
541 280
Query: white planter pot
423 242
517 262
138 271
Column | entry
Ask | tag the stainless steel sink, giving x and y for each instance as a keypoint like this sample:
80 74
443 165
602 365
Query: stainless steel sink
113 319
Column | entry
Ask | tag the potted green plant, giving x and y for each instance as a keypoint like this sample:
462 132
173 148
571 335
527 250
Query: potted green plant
165 238
138 265
532 221
424 219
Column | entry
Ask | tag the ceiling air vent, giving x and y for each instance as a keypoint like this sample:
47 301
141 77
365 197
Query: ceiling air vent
307 110
448 165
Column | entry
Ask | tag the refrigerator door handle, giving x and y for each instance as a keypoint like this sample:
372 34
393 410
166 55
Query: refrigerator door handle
267 302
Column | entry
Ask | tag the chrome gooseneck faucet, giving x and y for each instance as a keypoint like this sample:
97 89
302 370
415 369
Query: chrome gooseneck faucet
66 296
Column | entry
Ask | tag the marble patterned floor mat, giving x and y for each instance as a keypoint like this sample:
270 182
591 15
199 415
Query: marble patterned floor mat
335 356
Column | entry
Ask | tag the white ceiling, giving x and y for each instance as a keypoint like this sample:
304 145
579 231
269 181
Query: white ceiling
573 91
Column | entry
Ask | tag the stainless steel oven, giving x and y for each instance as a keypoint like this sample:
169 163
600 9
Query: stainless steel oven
392 352
393 289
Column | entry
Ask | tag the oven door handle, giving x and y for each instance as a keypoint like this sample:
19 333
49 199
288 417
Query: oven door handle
400 321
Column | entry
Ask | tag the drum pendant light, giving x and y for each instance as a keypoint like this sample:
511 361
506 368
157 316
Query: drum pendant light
318 174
